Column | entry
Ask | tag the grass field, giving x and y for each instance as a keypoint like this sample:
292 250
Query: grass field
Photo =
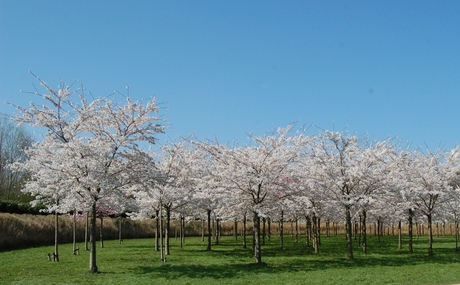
136 262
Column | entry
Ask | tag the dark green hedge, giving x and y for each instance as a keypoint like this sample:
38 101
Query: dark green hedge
13 208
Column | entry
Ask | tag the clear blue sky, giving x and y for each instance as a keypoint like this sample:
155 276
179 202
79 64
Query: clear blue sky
227 68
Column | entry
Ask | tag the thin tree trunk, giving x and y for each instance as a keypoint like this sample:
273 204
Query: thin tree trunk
157 230
167 229
56 236
213 228
162 255
217 231
281 226
314 223
101 235
86 230
456 235
208 211
269 233
348 228
257 245
430 235
182 230
364 232
263 231
307 230
235 229
318 228
296 230
74 232
399 235
202 229
92 239
244 231
253 236
355 230
411 213
360 230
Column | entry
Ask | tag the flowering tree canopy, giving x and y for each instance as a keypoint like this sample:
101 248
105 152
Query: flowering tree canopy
85 152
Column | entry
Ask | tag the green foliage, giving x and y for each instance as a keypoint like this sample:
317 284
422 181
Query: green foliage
136 262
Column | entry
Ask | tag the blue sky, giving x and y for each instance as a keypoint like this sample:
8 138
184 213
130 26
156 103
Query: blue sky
223 69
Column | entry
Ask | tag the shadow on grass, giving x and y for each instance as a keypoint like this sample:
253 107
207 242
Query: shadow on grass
294 258
220 271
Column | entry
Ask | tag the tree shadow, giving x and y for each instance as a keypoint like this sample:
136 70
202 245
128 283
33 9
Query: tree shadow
294 258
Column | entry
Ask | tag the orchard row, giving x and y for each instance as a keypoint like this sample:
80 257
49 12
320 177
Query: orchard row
95 158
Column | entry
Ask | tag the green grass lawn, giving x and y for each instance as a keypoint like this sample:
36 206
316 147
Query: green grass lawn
136 262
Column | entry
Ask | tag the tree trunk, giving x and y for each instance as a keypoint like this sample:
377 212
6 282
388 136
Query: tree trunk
364 232
208 212
360 230
269 233
253 237
430 235
257 245
167 229
307 230
314 223
244 231
182 230
202 229
318 228
282 230
217 231
213 228
56 236
92 239
160 230
235 229
101 232
399 235
263 231
296 230
348 228
74 232
87 231
456 235
355 230
157 230
411 213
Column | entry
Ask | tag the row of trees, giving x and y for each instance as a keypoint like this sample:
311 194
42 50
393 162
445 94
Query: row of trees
97 153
